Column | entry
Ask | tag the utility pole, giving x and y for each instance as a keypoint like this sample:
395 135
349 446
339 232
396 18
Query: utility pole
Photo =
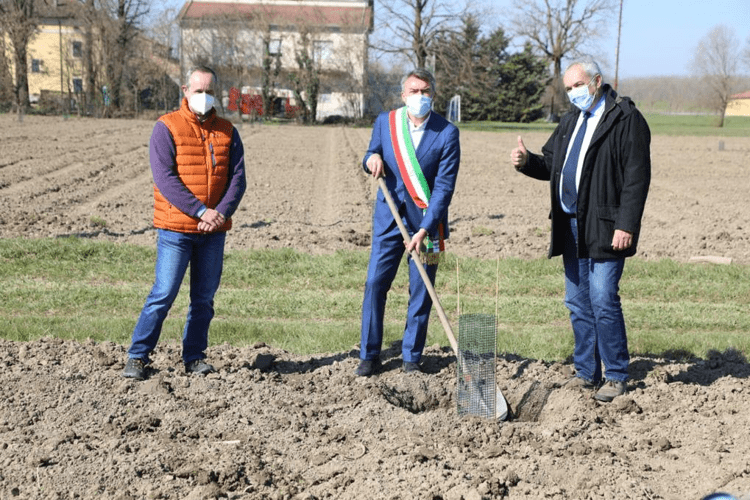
617 53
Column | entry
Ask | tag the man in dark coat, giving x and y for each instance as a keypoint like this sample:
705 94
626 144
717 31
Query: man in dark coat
599 180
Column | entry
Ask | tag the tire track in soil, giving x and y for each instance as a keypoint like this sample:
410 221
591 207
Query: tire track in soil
336 184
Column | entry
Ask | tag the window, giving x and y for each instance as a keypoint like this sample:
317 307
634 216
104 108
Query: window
274 47
36 65
223 50
77 49
322 51
77 85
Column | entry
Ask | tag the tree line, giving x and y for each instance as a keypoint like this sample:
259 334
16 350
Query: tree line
507 74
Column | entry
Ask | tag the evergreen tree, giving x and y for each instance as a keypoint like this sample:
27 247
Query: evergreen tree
520 83
493 83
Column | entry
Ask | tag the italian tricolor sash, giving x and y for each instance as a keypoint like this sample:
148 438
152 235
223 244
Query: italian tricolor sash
413 177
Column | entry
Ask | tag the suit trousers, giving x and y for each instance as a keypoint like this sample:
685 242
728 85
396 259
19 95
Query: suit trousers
385 258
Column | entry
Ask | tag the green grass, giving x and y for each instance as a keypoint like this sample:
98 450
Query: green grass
660 124
80 289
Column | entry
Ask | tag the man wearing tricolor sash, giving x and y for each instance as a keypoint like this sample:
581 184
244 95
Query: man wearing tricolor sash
417 151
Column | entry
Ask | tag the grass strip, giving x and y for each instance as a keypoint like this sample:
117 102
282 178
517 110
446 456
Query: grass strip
81 289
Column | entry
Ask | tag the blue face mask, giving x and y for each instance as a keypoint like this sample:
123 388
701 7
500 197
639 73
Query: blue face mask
418 105
581 98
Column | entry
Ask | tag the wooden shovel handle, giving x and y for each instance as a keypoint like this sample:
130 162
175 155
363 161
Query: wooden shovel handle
420 266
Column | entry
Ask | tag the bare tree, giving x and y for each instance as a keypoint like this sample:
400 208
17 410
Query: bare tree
561 29
18 20
270 69
242 48
306 79
715 61
118 29
162 31
414 26
6 80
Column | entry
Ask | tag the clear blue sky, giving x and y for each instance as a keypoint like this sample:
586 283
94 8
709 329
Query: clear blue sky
658 37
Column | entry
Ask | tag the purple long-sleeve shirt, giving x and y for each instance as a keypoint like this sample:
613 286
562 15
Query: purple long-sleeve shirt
163 154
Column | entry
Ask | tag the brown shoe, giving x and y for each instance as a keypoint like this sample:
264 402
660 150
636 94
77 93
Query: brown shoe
610 390
576 383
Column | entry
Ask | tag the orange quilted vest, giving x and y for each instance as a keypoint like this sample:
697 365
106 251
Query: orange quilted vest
202 165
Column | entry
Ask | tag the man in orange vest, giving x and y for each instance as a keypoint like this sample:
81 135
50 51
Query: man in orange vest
198 165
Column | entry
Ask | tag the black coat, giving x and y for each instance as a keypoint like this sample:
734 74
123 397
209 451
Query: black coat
614 181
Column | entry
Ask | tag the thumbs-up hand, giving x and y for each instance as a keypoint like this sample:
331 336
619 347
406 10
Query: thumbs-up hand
519 155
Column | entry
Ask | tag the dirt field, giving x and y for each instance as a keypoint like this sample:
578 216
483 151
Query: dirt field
270 425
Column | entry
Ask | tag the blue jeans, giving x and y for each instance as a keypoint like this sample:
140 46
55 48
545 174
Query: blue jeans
205 254
591 295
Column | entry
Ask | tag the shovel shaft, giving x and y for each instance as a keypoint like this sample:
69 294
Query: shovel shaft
420 266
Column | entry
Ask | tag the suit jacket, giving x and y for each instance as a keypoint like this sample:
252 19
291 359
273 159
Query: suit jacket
439 155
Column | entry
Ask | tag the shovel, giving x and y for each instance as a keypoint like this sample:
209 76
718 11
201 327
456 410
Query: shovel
501 405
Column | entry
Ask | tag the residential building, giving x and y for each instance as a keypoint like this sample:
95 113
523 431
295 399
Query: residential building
65 74
55 56
739 105
311 46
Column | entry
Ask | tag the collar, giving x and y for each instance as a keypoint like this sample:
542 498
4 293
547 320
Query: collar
599 107
421 126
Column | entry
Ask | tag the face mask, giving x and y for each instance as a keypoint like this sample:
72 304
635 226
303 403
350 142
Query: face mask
201 103
418 105
581 98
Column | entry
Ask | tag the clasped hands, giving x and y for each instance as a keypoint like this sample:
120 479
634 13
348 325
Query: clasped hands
211 221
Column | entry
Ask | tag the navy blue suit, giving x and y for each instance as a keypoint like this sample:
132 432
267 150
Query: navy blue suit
439 155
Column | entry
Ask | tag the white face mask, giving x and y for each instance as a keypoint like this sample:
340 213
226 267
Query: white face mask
418 105
201 102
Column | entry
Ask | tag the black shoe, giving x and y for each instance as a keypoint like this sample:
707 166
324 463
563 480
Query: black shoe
135 368
367 367
199 366
411 367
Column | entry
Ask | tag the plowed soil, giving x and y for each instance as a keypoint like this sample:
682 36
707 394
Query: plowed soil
273 425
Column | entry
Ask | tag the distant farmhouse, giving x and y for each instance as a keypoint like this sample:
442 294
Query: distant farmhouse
282 56
739 105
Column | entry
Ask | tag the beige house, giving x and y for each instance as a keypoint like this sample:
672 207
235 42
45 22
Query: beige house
233 36
739 105
55 55
56 64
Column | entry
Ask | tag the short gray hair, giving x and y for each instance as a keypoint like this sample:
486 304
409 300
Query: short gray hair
590 67
423 75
